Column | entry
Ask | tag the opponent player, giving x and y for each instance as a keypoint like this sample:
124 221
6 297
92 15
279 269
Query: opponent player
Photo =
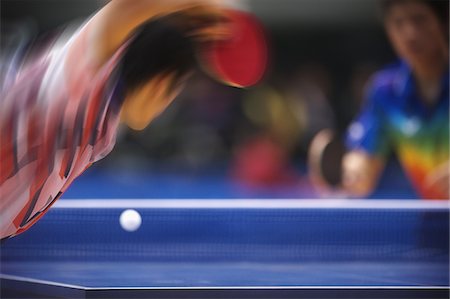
60 113
407 105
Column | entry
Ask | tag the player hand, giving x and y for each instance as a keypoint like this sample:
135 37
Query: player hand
361 172
437 182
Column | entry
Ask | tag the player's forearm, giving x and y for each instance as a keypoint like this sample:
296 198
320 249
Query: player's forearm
115 22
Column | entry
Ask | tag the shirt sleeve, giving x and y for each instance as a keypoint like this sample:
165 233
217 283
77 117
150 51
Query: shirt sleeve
56 119
368 130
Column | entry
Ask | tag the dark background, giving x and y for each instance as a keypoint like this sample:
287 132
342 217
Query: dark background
322 54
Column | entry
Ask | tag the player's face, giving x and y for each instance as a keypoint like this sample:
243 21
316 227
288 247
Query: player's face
145 103
415 32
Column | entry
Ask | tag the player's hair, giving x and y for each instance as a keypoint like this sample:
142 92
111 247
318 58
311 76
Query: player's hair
439 7
158 47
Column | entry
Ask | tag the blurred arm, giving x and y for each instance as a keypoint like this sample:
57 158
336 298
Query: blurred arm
112 25
361 173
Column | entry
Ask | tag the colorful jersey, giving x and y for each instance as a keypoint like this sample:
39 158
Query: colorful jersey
57 117
394 118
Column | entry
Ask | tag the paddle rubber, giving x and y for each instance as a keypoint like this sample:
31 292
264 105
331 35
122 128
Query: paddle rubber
331 161
241 60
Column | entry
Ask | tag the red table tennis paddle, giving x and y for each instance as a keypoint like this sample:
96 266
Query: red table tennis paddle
241 60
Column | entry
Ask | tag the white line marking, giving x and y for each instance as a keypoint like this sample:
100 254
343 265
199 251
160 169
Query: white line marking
52 283
39 281
359 204
276 288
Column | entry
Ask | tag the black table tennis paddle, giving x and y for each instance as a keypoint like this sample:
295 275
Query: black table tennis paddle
325 157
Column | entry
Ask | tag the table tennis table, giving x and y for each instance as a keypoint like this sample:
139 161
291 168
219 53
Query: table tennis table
240 248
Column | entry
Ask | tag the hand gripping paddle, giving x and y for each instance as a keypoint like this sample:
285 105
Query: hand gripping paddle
325 156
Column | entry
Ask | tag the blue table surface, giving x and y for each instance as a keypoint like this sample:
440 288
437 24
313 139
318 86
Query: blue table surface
241 274
199 247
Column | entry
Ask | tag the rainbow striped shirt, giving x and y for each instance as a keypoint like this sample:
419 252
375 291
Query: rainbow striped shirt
394 119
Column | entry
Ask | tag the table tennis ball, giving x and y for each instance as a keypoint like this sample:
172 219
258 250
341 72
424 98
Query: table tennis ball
130 220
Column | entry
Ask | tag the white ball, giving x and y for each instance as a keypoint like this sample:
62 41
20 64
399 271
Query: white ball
130 220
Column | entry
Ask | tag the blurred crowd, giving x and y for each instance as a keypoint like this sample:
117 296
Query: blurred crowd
258 136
